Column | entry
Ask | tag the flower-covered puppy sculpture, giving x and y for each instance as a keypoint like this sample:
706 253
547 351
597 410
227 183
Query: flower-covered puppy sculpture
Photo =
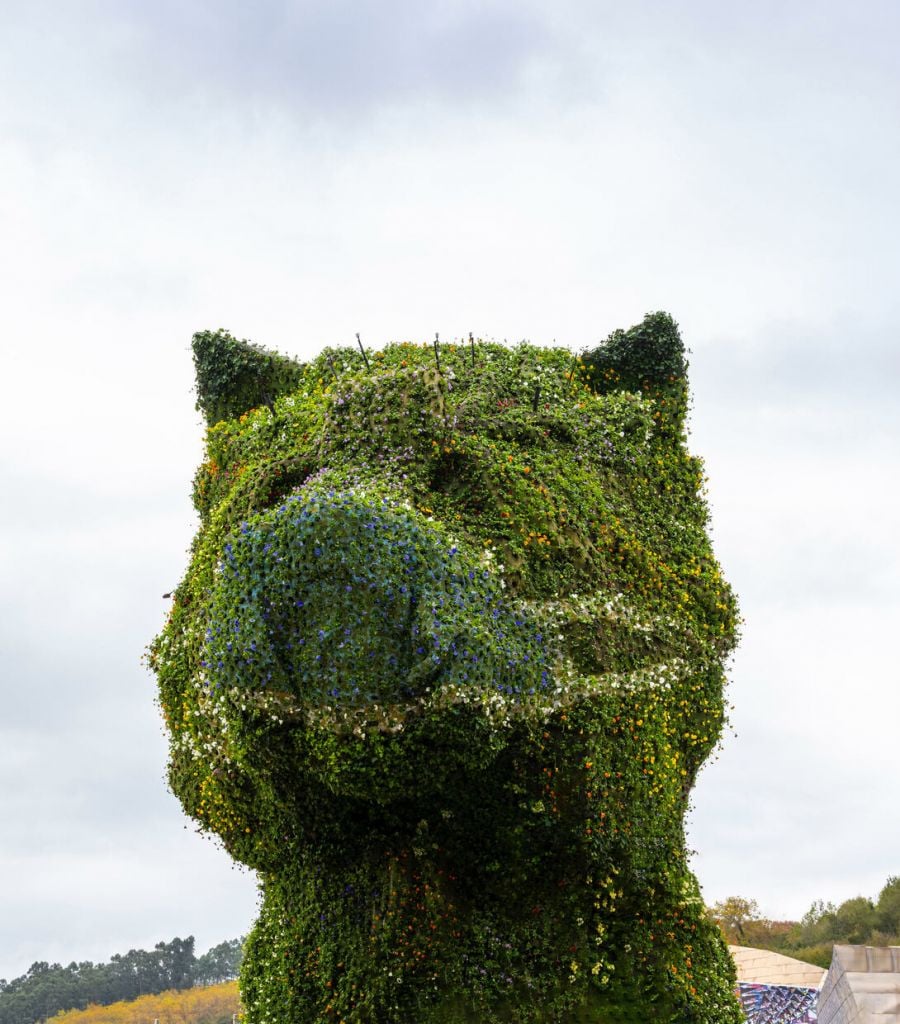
444 666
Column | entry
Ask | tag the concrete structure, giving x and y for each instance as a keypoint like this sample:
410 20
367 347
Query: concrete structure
862 986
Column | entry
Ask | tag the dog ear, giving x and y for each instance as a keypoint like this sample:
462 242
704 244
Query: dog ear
648 357
234 376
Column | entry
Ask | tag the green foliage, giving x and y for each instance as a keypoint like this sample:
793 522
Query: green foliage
858 921
47 989
648 357
233 376
219 963
888 907
818 954
855 920
443 668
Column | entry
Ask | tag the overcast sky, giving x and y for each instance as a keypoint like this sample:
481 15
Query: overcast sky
297 172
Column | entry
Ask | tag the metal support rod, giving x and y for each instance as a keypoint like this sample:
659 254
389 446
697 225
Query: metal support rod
331 364
358 342
472 346
536 399
437 355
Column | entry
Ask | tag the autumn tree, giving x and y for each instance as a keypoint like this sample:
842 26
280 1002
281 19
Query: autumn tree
733 915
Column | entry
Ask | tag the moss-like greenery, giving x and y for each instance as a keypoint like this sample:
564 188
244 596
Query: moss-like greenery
235 376
446 660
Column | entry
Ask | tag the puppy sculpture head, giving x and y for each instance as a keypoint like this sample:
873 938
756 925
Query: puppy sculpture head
443 668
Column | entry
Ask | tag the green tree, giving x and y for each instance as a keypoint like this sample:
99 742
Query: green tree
855 920
888 906
221 963
817 925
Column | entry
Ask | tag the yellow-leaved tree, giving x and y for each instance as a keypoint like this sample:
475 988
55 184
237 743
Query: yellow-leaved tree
215 1004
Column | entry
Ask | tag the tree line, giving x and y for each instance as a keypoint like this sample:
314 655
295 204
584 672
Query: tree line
212 1004
47 989
858 921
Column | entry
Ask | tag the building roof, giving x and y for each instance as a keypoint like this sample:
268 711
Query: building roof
762 966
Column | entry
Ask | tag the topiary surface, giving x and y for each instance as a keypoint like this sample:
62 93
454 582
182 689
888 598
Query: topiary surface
442 670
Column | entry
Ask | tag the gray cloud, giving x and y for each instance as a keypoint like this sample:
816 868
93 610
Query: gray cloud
816 528
852 363
315 61
340 55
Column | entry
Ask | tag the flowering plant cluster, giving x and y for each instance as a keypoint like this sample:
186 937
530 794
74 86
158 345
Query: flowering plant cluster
444 666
